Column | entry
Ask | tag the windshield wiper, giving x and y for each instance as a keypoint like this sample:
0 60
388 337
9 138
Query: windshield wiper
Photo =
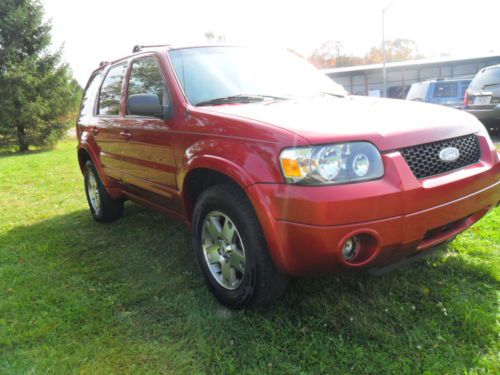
241 98
490 84
332 94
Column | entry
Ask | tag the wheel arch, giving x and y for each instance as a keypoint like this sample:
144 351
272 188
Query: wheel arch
83 157
200 178
205 172
87 154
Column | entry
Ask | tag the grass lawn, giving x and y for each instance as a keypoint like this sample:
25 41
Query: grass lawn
81 297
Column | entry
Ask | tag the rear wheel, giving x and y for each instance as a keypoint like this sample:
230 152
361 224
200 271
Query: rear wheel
103 208
231 250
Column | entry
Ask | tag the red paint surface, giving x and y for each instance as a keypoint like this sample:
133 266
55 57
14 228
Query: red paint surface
304 226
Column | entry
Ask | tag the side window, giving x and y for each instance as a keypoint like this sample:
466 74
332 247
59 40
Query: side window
146 78
464 85
445 89
111 90
90 95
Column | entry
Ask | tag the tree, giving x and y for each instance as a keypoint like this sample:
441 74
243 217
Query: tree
327 54
37 94
330 55
395 50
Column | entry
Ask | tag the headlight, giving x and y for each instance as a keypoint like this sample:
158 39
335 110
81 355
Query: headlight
332 164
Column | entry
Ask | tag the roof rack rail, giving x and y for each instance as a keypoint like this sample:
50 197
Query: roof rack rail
138 48
102 63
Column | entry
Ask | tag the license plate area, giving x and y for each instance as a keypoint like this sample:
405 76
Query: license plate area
482 100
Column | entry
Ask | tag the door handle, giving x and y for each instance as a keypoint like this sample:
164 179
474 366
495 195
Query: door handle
125 135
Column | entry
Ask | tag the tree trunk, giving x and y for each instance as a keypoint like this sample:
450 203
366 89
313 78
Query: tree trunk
21 139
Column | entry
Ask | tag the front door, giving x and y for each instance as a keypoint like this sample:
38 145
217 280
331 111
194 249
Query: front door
147 157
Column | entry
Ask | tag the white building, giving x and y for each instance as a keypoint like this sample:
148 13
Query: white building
367 79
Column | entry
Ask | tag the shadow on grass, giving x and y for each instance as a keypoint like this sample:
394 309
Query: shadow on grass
438 315
4 153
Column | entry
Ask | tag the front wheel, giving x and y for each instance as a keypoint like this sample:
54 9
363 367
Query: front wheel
103 208
231 249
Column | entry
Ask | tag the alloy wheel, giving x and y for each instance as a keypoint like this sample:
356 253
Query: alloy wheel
93 192
223 250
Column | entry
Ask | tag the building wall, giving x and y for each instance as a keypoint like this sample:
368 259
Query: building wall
399 79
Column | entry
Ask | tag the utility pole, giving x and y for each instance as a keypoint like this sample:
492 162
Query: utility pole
384 69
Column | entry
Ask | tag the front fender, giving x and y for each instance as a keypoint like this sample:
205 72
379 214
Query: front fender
217 164
248 183
246 162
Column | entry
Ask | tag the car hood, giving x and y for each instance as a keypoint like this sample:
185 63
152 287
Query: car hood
388 123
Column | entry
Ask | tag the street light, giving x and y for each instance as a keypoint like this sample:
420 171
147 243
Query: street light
384 69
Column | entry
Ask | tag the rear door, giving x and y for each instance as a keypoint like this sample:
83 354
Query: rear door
87 122
147 156
106 131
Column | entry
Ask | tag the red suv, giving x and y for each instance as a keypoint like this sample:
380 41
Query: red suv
275 168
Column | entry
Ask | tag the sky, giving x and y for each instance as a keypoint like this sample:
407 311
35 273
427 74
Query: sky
94 30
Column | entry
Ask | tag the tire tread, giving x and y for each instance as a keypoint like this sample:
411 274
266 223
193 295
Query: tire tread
112 209
271 282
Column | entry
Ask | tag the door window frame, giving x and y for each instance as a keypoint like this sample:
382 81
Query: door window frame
169 102
93 76
120 110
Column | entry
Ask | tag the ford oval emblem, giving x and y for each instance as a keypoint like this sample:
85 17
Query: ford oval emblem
449 154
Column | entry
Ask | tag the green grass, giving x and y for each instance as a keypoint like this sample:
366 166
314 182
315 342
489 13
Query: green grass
126 298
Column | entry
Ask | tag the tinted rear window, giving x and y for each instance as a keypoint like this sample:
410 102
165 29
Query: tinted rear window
445 89
486 77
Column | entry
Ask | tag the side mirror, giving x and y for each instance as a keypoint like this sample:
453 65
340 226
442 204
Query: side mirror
147 105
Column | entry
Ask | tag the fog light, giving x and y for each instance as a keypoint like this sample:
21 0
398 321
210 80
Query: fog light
351 248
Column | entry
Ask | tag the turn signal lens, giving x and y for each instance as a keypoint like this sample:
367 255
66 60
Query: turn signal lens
291 168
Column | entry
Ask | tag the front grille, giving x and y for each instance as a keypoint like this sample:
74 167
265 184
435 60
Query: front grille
424 159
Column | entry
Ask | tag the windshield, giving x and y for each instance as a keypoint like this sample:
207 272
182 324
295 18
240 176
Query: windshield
208 73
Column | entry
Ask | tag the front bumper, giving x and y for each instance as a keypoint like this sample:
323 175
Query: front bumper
400 216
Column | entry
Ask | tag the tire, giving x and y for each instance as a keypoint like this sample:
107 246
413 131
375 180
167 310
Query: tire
103 208
238 269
